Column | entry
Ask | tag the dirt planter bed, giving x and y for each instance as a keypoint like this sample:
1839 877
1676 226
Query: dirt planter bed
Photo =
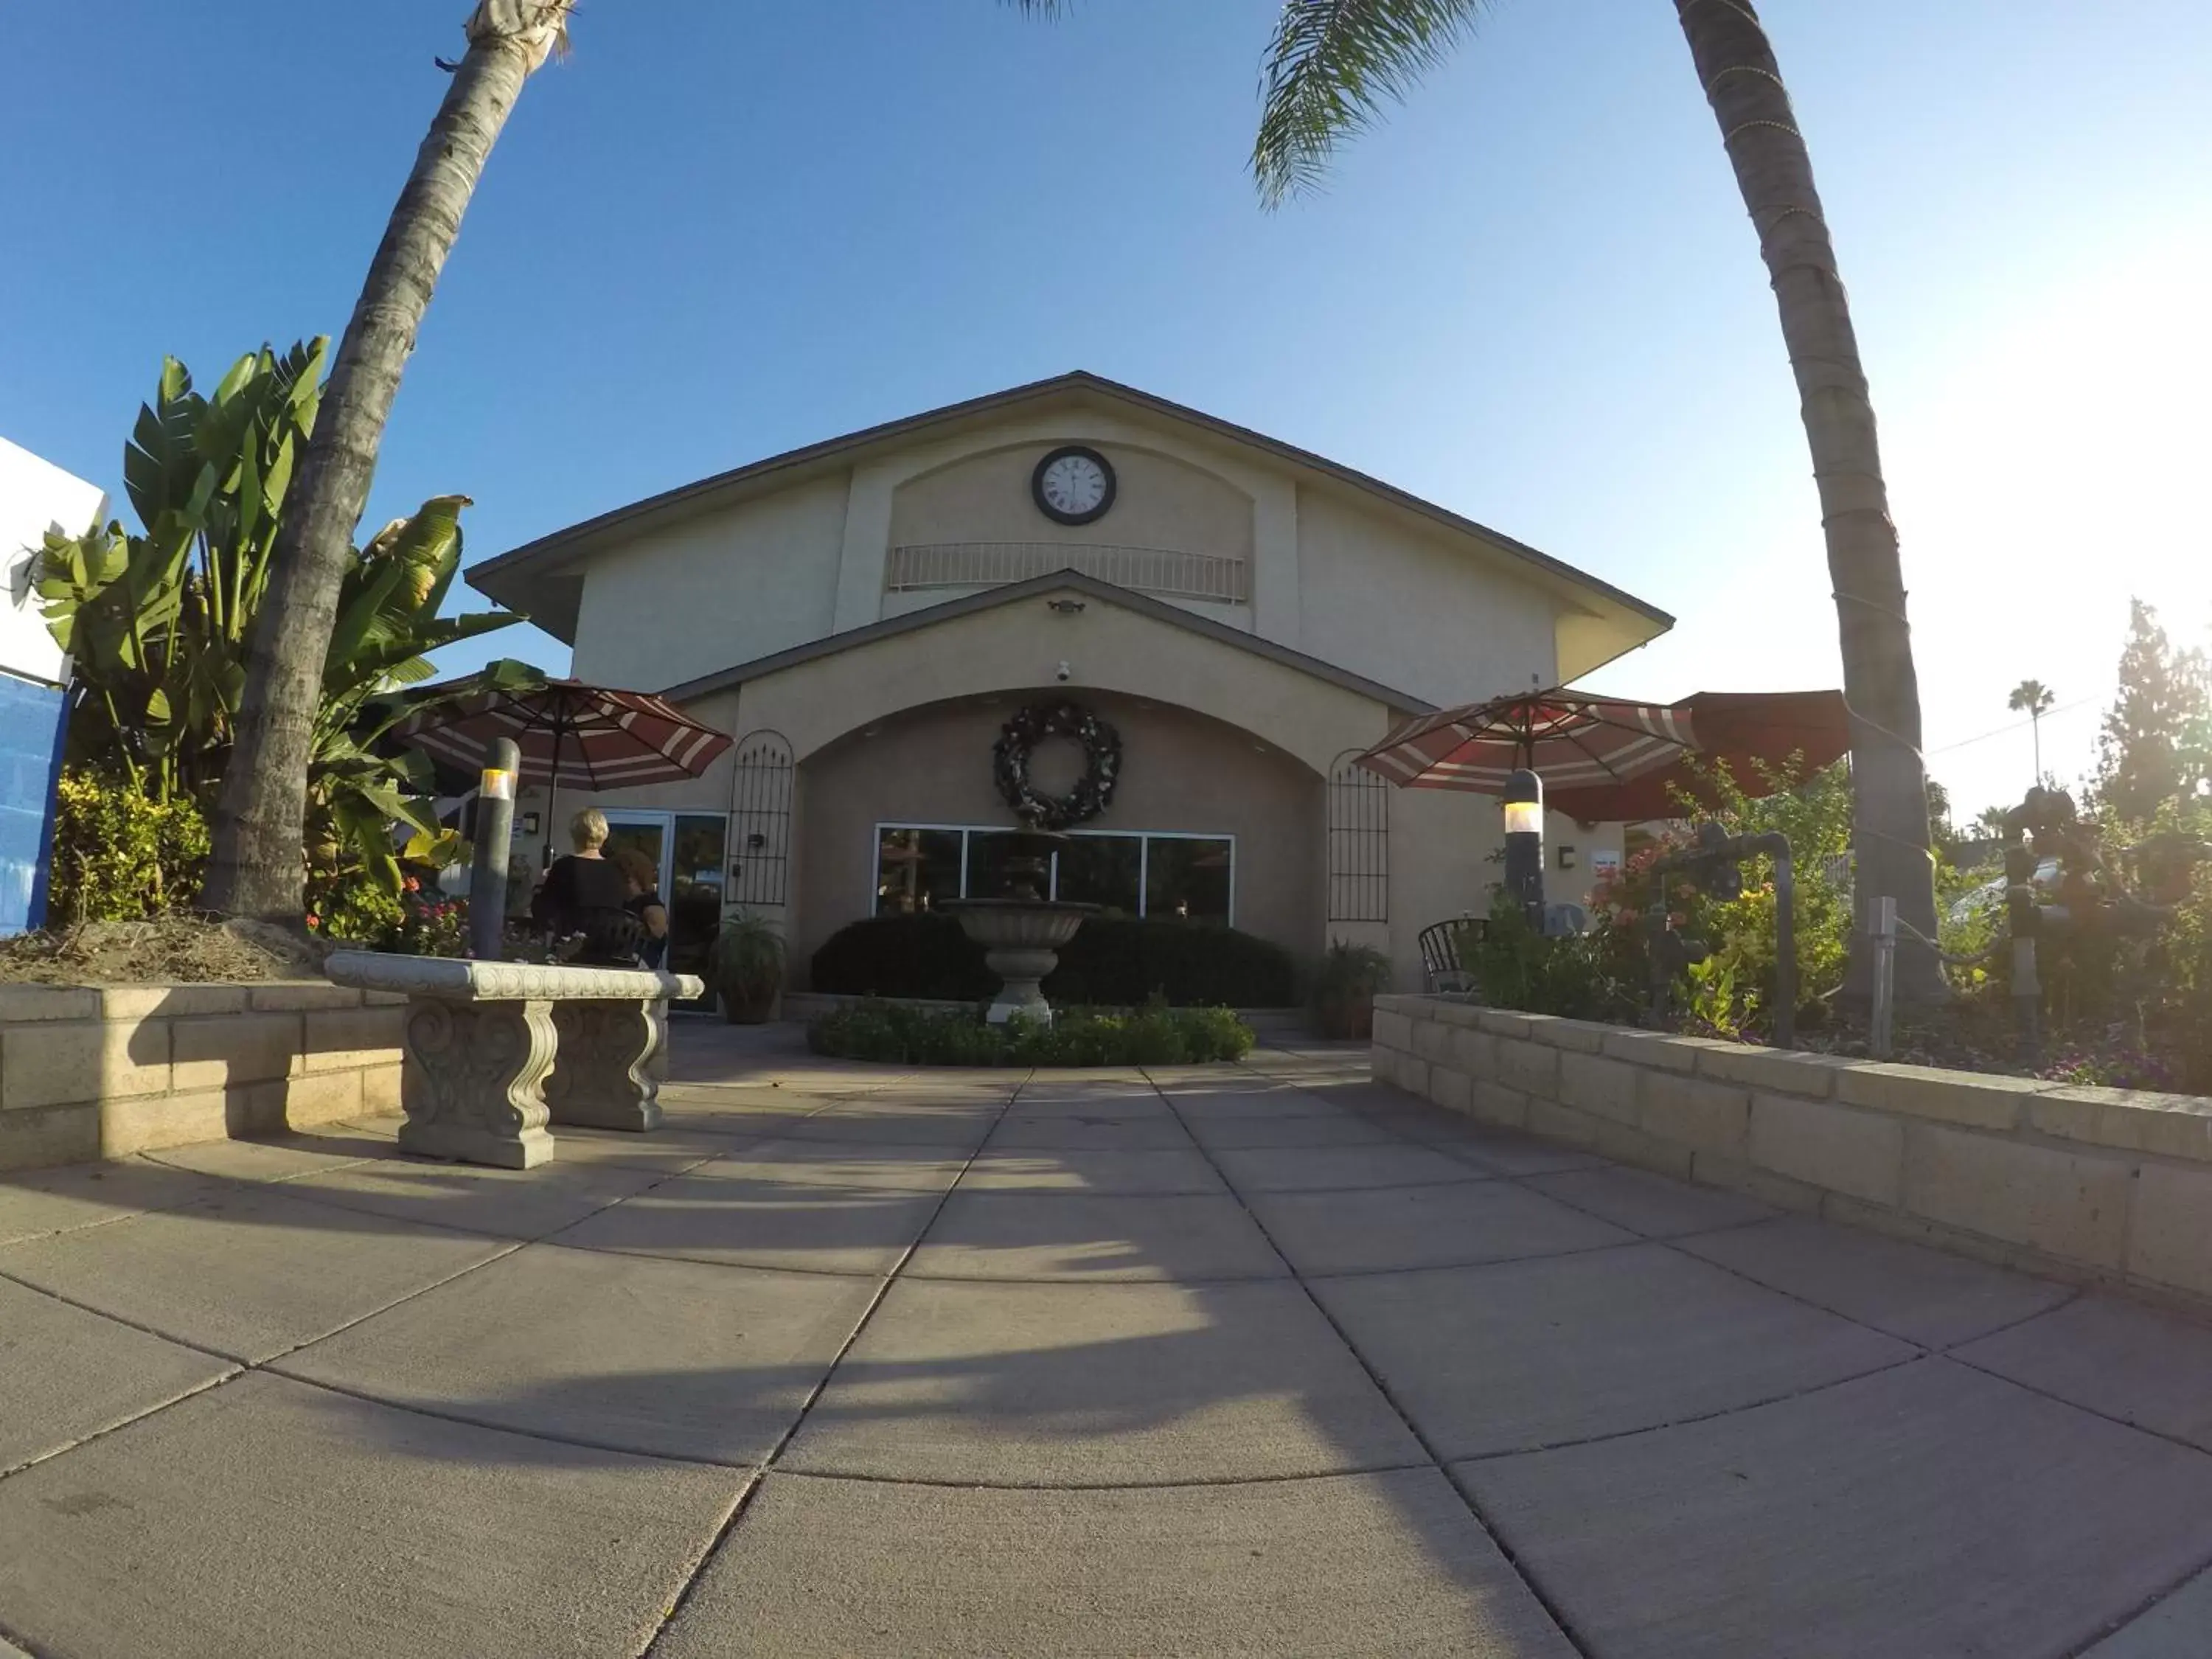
2110 1186
102 1072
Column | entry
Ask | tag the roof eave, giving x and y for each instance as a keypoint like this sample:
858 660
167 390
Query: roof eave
577 539
1035 587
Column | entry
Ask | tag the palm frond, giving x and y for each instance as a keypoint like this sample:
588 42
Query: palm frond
1051 10
1331 68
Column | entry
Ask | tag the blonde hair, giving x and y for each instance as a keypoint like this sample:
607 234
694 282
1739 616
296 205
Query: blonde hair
588 828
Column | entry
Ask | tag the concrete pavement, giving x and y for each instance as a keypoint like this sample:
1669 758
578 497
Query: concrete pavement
1253 1360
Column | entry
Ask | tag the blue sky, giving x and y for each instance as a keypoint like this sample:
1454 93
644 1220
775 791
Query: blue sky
722 229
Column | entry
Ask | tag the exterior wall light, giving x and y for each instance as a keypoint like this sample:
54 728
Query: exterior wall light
1524 843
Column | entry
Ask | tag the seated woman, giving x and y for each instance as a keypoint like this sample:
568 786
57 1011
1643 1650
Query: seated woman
585 899
643 881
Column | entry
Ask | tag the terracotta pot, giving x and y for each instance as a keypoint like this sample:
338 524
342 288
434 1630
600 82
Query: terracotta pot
749 1006
1346 1017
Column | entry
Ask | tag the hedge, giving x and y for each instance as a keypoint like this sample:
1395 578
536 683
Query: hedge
1078 1036
1113 962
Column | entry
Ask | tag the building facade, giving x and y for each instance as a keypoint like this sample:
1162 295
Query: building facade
866 616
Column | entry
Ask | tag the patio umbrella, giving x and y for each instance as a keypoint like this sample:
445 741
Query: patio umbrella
588 737
1568 739
1752 733
1607 760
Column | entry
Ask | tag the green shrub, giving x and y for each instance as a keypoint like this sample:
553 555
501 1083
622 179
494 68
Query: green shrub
1123 961
920 955
1579 977
1153 1035
1341 997
1117 961
119 856
354 908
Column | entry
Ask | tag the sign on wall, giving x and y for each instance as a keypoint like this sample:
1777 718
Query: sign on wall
35 497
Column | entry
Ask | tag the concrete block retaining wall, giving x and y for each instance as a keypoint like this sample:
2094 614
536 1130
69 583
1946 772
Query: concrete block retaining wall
91 1073
2096 1185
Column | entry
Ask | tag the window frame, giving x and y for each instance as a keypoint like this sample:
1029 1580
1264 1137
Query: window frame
1143 838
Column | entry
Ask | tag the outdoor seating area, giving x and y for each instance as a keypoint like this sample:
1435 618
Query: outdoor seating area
997 916
1269 1358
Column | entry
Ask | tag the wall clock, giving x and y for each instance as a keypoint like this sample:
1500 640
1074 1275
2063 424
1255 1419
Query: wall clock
1073 484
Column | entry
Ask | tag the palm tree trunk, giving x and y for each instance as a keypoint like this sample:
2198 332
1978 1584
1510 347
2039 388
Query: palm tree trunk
2035 732
1736 64
258 868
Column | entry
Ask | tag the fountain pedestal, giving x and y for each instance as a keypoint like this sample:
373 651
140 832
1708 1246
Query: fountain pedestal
1021 941
1022 932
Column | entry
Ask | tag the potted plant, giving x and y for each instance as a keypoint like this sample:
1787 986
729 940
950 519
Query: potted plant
1344 988
747 968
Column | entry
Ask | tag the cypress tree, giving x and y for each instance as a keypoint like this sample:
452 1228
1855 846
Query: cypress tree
2153 746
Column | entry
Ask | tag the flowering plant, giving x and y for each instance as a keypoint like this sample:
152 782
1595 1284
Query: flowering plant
430 924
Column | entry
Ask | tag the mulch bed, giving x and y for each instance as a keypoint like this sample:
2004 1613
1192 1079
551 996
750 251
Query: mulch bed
178 950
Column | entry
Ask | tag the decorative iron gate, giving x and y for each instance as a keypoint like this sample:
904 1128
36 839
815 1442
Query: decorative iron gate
1359 843
760 820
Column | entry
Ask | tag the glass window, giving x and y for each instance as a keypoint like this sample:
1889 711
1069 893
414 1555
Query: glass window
1187 877
916 870
1102 870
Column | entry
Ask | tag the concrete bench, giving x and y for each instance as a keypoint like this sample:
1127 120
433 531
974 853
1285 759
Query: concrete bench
495 1050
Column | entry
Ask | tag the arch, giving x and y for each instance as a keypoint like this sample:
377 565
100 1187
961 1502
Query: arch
1358 841
1016 647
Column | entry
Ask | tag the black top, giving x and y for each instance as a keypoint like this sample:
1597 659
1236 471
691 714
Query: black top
589 897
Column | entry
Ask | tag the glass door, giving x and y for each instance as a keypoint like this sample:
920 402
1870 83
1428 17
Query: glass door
643 832
693 883
688 850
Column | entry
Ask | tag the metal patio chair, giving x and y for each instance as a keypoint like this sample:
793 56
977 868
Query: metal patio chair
1442 966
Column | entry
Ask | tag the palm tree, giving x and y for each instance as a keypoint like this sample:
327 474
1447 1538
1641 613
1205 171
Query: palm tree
258 868
1332 67
2033 698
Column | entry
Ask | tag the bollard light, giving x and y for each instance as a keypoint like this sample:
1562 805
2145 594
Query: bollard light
494 831
1524 843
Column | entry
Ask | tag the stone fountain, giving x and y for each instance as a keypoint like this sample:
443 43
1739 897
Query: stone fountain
1022 931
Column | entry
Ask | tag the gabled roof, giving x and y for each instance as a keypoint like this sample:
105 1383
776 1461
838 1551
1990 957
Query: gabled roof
520 578
1060 581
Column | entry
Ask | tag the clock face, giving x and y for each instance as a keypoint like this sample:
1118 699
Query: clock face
1073 485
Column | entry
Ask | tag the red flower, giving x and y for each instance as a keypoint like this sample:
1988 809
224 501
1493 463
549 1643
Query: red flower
313 920
412 885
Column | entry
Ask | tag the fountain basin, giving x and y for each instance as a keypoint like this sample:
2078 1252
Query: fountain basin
1021 939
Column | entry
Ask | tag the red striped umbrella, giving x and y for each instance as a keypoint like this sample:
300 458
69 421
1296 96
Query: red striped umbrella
587 737
1568 739
1757 737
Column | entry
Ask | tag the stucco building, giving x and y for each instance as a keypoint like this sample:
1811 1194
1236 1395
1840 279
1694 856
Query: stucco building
865 615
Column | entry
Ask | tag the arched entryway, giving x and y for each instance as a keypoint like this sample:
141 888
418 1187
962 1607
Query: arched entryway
1208 820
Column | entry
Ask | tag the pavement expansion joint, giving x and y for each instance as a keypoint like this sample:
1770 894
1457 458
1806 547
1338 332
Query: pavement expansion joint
1738 1410
735 1517
86 1439
1208 1483
2086 1648
1529 1580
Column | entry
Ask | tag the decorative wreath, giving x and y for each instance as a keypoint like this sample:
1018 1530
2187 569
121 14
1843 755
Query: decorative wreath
1093 791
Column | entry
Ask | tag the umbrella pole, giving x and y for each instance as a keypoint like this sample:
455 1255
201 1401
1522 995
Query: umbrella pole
552 790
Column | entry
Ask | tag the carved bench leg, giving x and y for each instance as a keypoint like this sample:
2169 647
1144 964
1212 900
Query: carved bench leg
474 1086
607 1075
